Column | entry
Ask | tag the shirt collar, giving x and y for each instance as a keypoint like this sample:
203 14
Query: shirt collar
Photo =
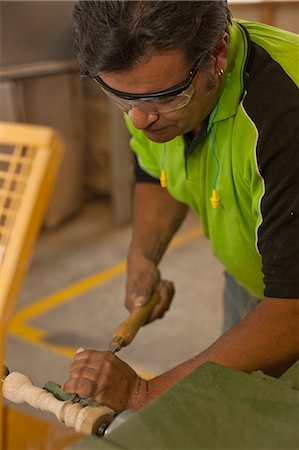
232 86
192 141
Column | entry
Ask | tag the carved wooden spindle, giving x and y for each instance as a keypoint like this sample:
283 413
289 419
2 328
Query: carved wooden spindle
18 388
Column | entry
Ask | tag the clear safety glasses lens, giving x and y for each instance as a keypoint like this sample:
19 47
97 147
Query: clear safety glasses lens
154 106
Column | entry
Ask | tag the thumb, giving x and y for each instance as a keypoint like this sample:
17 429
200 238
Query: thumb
141 297
141 286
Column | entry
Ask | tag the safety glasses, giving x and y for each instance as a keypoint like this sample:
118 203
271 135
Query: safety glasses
161 102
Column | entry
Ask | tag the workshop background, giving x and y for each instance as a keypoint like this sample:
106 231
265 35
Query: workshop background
73 293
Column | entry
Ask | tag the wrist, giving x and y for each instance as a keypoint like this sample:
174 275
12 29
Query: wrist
142 256
141 395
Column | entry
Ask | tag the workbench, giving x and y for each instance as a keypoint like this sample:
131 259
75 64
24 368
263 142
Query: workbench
214 407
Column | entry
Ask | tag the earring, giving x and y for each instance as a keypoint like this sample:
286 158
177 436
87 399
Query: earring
220 73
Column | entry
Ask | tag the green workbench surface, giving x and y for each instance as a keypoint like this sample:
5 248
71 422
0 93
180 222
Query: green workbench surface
214 407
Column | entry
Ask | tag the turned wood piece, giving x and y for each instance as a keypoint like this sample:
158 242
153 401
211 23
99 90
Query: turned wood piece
18 388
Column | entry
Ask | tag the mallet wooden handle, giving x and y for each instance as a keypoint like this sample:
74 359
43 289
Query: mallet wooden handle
126 331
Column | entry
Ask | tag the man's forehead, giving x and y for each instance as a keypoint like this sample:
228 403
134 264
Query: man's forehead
158 71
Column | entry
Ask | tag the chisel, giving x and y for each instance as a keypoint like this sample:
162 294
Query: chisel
126 331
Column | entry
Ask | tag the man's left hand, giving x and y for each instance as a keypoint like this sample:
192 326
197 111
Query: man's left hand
105 379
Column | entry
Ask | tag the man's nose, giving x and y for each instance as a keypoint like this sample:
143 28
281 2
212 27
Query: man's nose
142 119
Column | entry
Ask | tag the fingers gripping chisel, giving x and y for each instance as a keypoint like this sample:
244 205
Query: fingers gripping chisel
126 331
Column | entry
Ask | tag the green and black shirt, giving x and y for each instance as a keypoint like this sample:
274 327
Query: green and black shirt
254 134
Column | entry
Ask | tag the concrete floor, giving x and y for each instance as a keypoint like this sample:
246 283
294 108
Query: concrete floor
73 296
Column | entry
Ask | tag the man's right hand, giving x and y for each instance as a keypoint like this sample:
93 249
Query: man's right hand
143 280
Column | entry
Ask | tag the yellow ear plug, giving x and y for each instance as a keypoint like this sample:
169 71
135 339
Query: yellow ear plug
163 179
215 199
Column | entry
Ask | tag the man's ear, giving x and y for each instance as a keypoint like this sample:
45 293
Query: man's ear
220 53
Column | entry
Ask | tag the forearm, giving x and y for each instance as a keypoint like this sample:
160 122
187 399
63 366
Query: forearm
267 339
157 216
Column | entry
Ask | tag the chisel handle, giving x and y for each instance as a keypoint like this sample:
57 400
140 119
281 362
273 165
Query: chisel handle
126 331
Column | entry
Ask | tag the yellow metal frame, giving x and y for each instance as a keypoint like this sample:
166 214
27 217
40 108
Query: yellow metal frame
30 156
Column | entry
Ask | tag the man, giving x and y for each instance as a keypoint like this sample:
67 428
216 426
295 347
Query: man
212 106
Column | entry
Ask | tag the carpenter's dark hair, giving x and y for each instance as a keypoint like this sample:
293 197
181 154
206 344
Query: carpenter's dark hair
115 35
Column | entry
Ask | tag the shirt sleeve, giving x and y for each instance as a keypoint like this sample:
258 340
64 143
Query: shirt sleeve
272 104
140 175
